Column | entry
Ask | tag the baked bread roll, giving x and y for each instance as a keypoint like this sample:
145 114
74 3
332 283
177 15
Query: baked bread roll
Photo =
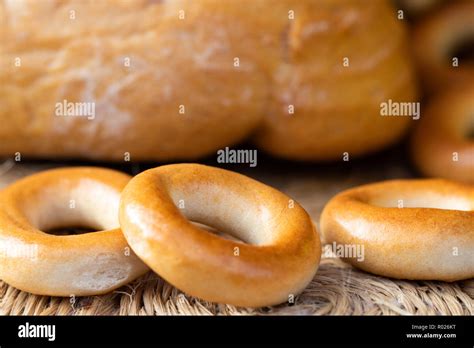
180 96
177 80
342 60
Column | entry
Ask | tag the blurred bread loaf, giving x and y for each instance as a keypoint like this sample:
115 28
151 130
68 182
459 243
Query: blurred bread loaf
177 80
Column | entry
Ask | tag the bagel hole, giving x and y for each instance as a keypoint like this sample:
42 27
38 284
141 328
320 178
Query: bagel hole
226 213
463 50
470 132
88 206
70 230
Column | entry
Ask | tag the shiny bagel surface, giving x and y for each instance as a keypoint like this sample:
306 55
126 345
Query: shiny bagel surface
281 249
65 265
410 229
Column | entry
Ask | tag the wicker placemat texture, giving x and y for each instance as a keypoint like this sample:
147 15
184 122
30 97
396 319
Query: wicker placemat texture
337 289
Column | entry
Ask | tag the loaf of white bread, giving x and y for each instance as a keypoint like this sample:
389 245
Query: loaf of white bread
180 79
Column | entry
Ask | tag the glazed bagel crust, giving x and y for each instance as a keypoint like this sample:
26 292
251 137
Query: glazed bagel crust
281 259
443 141
79 265
181 79
430 238
434 40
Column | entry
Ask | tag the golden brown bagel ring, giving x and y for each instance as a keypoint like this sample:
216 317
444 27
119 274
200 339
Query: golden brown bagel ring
282 261
435 39
79 265
431 235
443 142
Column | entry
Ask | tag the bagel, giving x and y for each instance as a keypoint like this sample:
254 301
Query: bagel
180 79
430 237
280 259
443 142
70 265
435 40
